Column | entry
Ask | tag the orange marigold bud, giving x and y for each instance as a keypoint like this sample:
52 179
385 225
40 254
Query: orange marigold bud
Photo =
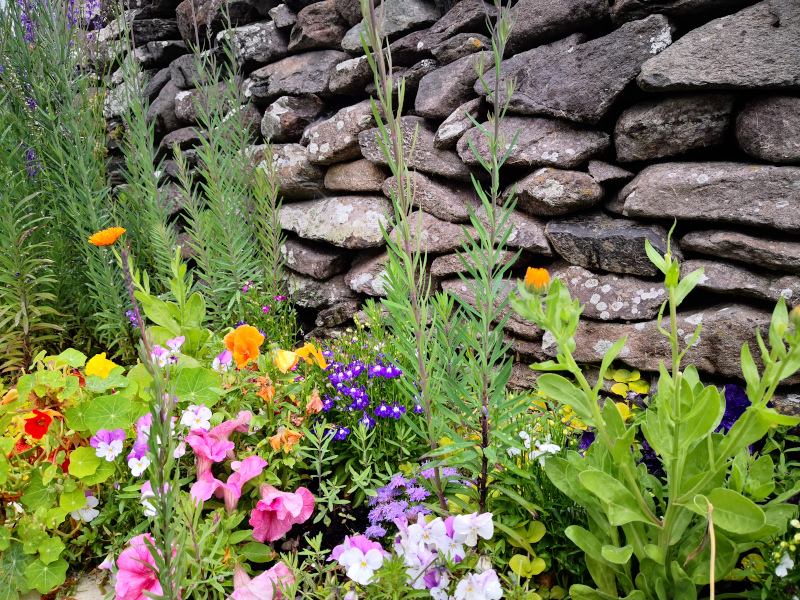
106 237
537 281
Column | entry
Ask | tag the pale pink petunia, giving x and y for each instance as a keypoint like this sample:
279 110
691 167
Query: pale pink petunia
208 449
277 511
207 485
241 424
267 586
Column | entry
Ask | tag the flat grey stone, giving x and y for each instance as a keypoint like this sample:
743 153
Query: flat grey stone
685 10
764 252
286 119
459 122
542 21
357 176
717 191
436 236
542 142
345 221
581 81
307 73
460 46
452 264
320 261
725 329
308 292
318 26
596 241
338 314
337 139
769 129
283 16
603 171
527 232
368 273
256 44
729 278
351 76
550 192
667 127
426 157
746 50
299 178
399 17
444 90
446 200
610 297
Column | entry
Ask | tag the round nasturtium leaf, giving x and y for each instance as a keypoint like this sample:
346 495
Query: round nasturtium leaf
104 471
524 567
83 462
50 550
108 412
45 577
74 500
196 386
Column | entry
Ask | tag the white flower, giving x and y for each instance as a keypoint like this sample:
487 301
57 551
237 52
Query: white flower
449 548
197 417
485 586
88 512
514 451
18 508
468 528
180 450
361 567
427 533
786 565
147 494
138 465
545 449
109 451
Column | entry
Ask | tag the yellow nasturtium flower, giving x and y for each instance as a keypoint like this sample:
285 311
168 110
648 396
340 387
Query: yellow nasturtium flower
286 360
99 365
315 352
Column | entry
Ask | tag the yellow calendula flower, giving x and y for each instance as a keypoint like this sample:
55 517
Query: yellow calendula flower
99 365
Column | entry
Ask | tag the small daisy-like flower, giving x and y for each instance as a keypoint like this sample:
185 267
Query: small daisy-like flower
107 236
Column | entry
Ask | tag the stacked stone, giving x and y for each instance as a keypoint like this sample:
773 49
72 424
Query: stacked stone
627 118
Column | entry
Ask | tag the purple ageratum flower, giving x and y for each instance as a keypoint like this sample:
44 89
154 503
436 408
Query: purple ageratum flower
417 494
383 411
386 494
108 444
417 510
395 510
397 481
375 532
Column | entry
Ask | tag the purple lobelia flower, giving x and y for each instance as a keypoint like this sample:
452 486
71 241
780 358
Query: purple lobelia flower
341 433
736 402
383 411
398 411
367 421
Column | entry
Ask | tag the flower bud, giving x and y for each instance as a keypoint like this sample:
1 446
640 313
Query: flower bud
537 281
794 317
484 564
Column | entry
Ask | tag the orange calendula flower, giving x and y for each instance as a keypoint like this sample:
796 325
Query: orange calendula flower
286 438
107 236
243 343
537 281
314 405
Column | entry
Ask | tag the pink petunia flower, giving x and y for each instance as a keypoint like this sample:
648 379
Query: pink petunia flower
277 511
208 449
207 485
134 575
267 586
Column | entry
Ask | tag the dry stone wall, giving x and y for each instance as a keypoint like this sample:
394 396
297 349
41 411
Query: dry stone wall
630 113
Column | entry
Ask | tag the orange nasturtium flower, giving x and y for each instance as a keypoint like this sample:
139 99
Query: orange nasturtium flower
286 360
267 391
243 343
286 438
537 281
315 352
106 237
314 405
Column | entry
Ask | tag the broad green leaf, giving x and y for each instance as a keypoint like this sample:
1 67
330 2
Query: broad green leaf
559 388
524 567
196 386
13 563
38 495
586 541
115 379
703 416
73 500
584 592
5 538
45 577
76 417
50 550
72 357
536 531
158 312
618 556
108 412
655 553
237 537
256 552
621 505
6 444
750 372
732 511
622 375
194 311
83 462
104 471
640 386
655 258
687 284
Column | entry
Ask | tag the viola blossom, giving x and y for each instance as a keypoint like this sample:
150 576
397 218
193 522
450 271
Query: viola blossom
483 586
160 355
468 528
437 580
426 533
222 362
270 585
137 571
207 485
99 365
197 417
785 565
138 465
175 344
361 566
88 512
276 512
244 344
544 450
108 444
